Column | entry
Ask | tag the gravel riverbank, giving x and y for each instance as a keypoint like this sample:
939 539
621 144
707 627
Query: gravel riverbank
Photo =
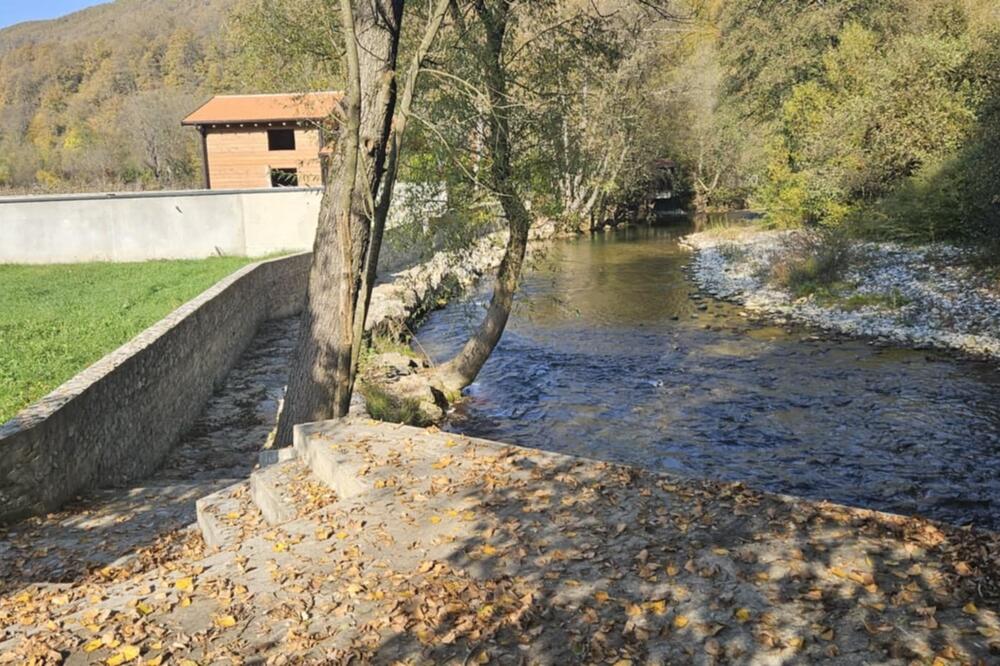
920 296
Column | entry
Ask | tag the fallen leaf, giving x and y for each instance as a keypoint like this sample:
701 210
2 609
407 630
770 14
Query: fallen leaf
659 607
225 621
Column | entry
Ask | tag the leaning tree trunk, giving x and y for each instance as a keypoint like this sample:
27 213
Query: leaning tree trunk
462 370
319 384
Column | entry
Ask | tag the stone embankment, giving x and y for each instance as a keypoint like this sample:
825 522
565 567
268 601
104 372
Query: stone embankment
919 296
400 303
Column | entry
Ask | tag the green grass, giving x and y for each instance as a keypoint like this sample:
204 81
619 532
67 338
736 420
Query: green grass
55 320
384 406
892 300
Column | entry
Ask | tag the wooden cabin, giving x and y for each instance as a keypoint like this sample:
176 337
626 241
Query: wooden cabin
258 141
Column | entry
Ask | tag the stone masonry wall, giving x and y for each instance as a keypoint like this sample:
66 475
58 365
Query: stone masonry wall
116 420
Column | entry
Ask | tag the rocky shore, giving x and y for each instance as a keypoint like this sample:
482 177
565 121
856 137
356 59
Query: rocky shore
930 296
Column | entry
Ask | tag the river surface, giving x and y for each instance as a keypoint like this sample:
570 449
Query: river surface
607 355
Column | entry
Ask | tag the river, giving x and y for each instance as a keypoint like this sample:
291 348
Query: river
611 354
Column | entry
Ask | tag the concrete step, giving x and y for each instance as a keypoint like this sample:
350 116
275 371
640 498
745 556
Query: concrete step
269 489
358 457
221 515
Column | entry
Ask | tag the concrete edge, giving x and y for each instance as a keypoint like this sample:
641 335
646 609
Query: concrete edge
266 492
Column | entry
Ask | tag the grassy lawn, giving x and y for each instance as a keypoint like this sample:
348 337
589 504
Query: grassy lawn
55 320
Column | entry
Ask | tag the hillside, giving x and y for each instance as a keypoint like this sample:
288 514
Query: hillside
120 19
93 99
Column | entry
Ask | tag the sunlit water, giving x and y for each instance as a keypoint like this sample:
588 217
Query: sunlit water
608 356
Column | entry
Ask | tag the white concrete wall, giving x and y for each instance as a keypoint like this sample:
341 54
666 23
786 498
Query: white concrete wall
156 225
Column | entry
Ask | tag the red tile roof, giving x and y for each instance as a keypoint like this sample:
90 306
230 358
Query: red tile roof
265 108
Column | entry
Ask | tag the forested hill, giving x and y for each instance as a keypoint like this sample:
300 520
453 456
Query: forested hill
81 95
123 19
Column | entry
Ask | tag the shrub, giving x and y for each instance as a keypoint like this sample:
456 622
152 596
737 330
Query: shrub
812 261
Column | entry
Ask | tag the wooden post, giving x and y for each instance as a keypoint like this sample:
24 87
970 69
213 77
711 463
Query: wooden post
204 156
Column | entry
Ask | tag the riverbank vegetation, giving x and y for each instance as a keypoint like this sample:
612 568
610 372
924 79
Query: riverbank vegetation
878 118
58 319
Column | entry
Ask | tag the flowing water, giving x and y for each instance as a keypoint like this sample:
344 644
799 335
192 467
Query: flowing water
607 355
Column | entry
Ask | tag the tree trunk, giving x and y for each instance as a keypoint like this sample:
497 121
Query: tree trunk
395 146
462 370
320 381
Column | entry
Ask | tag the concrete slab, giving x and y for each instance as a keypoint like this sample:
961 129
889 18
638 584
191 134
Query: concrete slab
267 488
459 550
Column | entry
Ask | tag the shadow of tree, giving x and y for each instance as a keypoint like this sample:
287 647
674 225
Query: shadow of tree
123 527
574 561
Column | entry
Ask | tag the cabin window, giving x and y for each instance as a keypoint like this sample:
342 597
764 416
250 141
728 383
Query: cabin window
284 177
281 139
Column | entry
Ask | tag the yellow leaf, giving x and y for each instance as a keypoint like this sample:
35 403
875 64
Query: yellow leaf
233 515
280 547
633 610
154 661
115 660
130 652
720 551
743 614
970 608
441 464
795 642
225 621
487 549
672 570
184 584
188 662
659 606
623 662
601 596
681 621
185 602
321 534
95 644
435 519
143 608
341 535
486 612
482 658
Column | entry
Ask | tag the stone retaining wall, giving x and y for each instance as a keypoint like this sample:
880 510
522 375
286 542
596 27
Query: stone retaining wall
116 420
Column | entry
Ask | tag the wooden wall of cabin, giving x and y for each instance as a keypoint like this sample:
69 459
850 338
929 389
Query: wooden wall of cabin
238 157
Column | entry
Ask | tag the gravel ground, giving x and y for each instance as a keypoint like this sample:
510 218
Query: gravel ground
944 302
